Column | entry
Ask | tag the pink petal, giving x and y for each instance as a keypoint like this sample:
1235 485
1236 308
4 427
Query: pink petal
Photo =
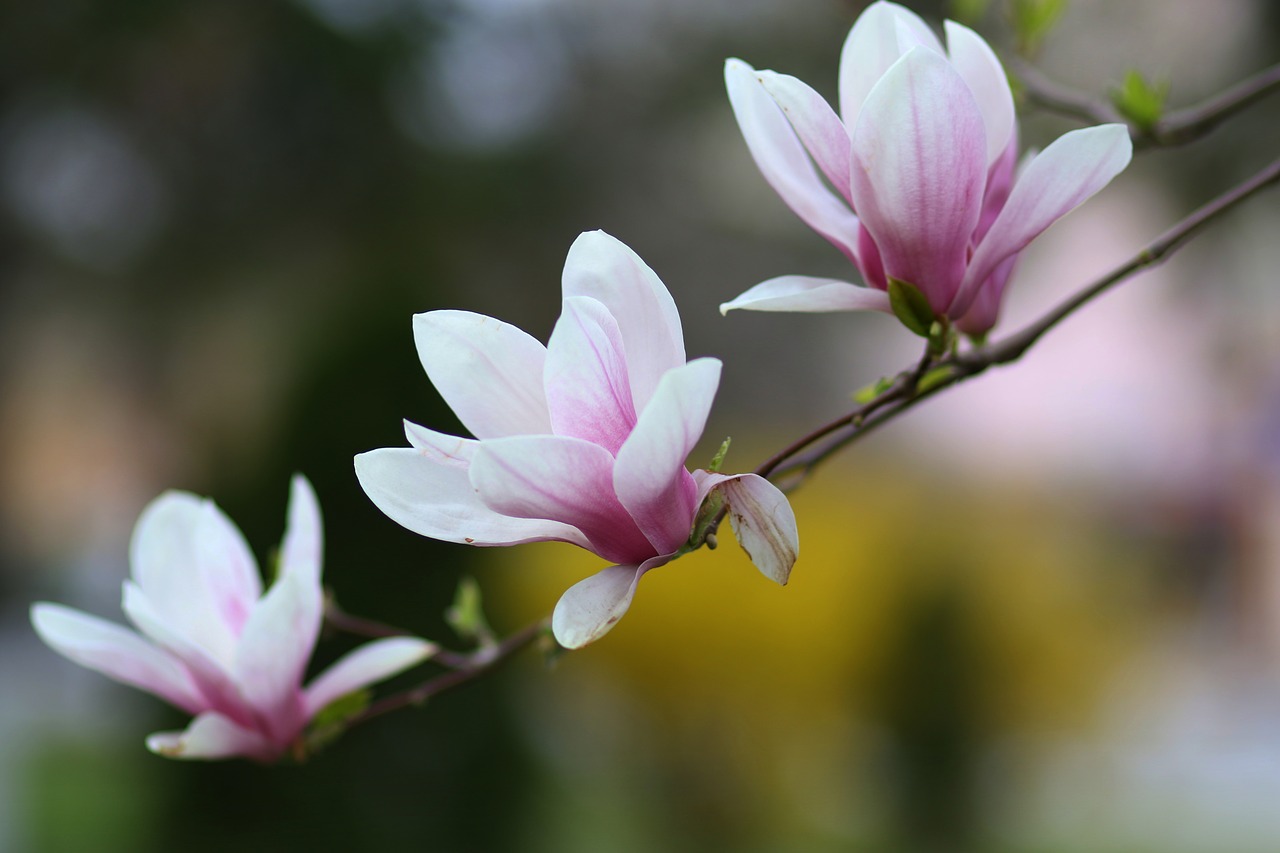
817 125
878 39
560 479
803 293
649 476
604 268
434 498
361 667
984 311
117 653
591 607
213 736
977 64
1063 176
302 550
489 372
920 169
588 389
196 568
277 643
762 519
783 160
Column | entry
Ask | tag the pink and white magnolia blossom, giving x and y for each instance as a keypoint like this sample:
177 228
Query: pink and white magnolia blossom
921 169
582 441
211 643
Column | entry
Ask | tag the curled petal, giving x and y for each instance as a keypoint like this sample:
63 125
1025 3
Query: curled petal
762 519
213 736
588 390
606 269
439 447
591 607
783 161
561 479
920 168
649 476
435 498
117 653
1074 167
804 293
489 372
302 550
977 64
361 667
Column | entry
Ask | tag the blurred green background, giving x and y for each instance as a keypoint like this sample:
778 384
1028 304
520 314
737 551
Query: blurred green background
1041 614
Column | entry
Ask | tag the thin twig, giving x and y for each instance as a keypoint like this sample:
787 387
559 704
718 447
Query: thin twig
466 668
1193 122
1175 128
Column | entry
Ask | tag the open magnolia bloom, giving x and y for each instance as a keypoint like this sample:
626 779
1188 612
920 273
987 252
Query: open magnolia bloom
211 642
920 170
582 441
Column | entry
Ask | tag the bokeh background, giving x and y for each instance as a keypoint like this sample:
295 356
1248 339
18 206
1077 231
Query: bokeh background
1042 613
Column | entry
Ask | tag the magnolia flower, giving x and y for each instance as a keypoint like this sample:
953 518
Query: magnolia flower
920 165
211 642
580 441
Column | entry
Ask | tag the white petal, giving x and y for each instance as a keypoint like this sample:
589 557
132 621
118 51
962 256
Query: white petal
808 294
784 162
604 268
435 498
981 70
196 568
361 667
591 607
489 372
213 736
649 476
117 653
762 519
302 550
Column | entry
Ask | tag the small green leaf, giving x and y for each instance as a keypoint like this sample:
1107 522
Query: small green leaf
934 378
718 459
466 615
910 306
331 721
868 393
1033 20
1140 101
